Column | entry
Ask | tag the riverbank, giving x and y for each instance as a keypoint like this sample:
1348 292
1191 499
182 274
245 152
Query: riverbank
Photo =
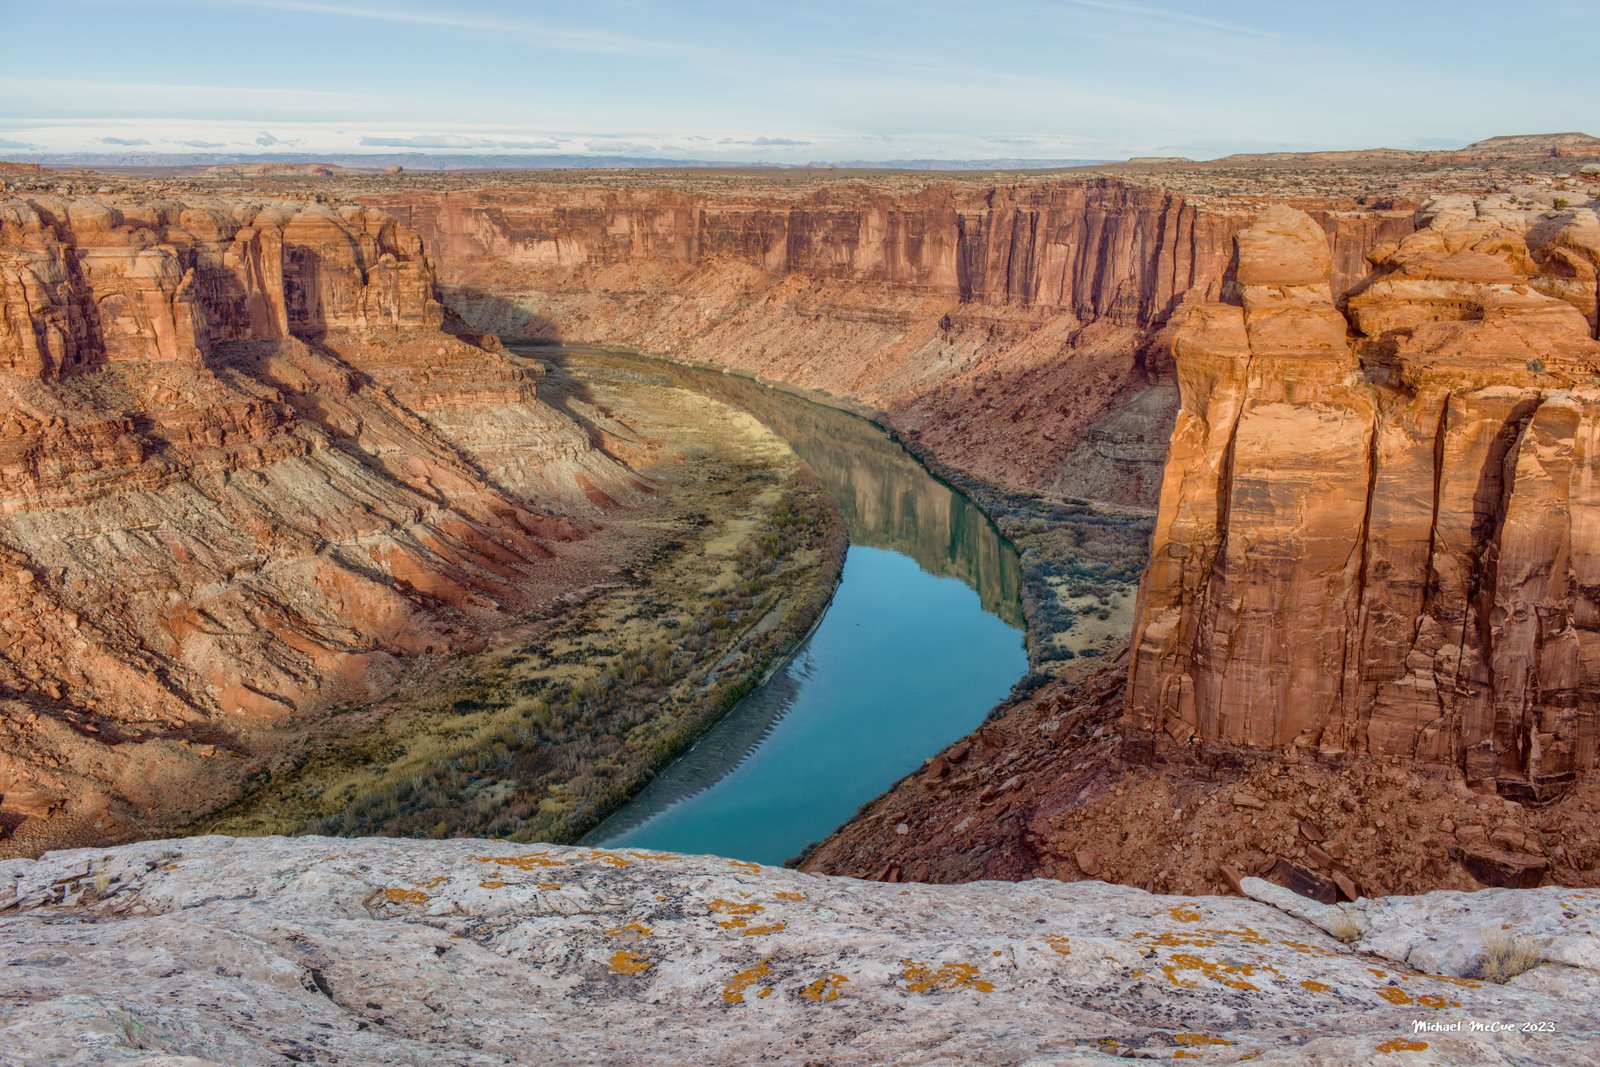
1080 560
730 563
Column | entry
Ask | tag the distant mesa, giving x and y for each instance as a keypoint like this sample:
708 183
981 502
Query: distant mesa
276 170
1527 146
1536 144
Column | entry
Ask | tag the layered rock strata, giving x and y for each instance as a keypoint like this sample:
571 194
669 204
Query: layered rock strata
1014 330
255 951
243 474
1365 655
1377 529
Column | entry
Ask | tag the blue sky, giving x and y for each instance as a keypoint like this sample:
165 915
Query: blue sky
788 81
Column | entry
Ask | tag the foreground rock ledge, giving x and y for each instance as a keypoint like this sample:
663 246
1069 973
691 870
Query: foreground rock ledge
269 950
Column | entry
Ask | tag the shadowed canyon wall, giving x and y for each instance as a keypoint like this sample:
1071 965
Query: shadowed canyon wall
1013 329
1380 526
243 473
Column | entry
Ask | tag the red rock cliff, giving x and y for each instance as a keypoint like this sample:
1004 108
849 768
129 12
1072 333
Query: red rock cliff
1378 528
1006 326
242 473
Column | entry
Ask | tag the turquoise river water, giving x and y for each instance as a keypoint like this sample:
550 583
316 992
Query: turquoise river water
922 638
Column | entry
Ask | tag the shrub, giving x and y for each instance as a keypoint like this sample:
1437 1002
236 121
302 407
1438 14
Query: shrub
1345 926
1506 956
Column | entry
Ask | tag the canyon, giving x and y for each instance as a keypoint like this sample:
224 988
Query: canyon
1365 628
1008 330
250 475
266 455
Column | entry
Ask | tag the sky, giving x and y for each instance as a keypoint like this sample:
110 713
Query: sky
787 82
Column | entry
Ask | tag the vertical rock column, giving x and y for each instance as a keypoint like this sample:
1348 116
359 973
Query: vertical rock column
1253 588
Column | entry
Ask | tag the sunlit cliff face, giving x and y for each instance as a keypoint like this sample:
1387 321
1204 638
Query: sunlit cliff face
1375 532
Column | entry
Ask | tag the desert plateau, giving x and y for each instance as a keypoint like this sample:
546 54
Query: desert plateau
666 534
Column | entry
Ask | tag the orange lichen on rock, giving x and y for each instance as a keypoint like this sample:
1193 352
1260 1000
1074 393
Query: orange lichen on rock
400 895
1199 1039
526 862
824 989
924 978
734 989
1228 974
1185 913
1060 943
736 910
1450 979
629 930
629 962
1307 949
1315 986
1401 1044
766 928
1396 995
1173 939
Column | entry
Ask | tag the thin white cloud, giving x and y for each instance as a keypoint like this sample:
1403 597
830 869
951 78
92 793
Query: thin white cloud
763 142
128 141
555 37
609 147
450 140
1163 14
26 146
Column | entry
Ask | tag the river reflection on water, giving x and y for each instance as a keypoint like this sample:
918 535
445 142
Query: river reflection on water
922 638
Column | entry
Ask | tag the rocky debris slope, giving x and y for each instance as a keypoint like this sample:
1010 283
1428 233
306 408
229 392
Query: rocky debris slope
1042 790
253 951
1012 329
244 473
1375 532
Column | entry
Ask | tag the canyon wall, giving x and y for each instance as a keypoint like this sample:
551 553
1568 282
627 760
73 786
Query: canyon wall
243 474
1012 329
1378 529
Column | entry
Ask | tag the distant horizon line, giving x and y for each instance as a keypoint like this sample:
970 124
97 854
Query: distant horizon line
507 161
444 160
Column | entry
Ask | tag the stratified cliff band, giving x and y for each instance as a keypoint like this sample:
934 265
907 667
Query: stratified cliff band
244 471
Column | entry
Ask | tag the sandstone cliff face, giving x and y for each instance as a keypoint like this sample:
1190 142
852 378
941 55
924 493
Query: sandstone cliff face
87 282
1377 529
1012 329
242 474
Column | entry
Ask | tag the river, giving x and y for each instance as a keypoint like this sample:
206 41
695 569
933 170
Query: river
922 638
